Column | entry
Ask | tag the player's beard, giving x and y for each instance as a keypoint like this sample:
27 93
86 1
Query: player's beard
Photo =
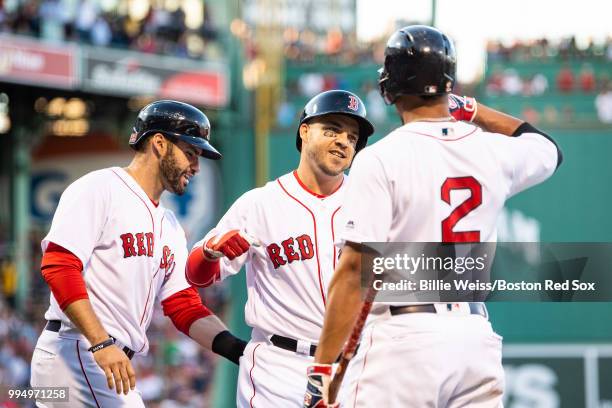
171 173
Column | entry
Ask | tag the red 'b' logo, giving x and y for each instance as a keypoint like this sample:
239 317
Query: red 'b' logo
353 103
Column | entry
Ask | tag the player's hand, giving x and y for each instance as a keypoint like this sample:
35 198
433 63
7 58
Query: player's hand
317 390
117 368
232 244
462 107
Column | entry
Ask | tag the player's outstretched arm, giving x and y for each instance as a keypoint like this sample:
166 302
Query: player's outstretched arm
211 333
191 317
203 267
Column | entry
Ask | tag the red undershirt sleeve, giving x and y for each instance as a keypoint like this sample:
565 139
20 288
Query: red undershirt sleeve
184 308
62 270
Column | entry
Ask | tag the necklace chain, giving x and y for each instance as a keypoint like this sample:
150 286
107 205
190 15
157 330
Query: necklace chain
446 119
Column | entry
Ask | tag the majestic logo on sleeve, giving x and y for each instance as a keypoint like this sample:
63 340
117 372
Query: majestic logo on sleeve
167 263
140 244
290 250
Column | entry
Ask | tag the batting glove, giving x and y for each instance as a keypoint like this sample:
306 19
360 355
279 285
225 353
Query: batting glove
462 108
317 390
232 244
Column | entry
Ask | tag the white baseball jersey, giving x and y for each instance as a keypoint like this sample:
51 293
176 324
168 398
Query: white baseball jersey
440 182
287 280
436 182
288 275
133 252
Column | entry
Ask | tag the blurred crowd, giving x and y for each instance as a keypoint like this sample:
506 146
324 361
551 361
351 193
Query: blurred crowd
157 30
543 49
334 46
309 84
560 82
176 372
509 81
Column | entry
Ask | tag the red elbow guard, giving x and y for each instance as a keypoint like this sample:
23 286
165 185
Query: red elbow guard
201 272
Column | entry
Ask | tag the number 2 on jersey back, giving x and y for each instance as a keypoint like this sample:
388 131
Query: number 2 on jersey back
473 202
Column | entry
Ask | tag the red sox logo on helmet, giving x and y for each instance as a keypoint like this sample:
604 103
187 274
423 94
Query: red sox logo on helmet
353 103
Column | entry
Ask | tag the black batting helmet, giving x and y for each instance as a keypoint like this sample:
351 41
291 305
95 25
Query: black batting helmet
339 102
419 60
175 120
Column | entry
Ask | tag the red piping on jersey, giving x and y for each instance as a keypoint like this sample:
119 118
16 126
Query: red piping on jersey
86 379
251 376
161 226
443 140
161 229
309 191
148 294
333 235
365 360
314 221
143 201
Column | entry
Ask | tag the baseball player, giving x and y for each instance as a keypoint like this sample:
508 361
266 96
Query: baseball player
284 234
112 251
441 177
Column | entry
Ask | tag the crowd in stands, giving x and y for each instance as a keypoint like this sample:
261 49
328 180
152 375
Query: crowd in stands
575 75
160 31
309 84
543 49
177 372
333 46
509 82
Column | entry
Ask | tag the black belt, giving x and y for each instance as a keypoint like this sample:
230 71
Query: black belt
475 308
55 325
290 344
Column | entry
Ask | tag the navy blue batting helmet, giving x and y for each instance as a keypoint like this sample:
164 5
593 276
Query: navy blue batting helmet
337 102
175 120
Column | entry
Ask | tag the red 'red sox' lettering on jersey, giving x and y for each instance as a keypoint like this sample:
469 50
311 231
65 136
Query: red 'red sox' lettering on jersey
134 244
291 249
167 263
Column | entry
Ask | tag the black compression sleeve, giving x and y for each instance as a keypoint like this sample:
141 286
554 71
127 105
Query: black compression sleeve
527 127
229 346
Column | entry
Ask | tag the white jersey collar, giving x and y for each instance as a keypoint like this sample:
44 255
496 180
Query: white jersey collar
292 184
135 187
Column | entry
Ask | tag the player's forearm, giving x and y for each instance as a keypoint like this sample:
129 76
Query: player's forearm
211 333
204 330
494 121
84 318
344 301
